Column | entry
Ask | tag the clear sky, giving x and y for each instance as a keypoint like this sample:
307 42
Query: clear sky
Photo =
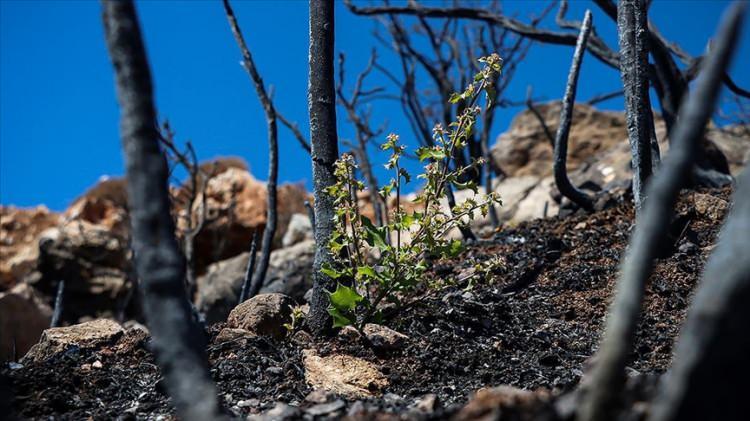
59 116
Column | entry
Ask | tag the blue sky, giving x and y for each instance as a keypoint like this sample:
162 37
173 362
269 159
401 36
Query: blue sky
59 116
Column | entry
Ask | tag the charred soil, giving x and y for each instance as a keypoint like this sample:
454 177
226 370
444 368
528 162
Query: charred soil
524 309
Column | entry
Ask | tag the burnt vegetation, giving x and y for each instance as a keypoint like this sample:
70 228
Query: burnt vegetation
419 297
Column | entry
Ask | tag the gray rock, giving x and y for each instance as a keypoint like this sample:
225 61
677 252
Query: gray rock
299 229
289 273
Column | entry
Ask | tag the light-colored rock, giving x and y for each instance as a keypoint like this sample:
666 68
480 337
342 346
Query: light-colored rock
525 149
264 314
91 334
232 334
23 318
289 273
384 337
710 206
19 241
533 205
299 229
492 403
351 377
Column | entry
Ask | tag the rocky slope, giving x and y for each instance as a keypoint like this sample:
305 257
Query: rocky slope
88 244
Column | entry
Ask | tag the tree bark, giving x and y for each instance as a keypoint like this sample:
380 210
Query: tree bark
321 98
608 375
708 379
632 27
178 342
566 115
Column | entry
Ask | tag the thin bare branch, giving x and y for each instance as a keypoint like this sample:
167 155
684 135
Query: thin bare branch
566 115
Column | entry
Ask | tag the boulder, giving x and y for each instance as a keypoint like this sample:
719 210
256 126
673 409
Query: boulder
95 263
525 149
23 318
91 334
289 273
264 314
236 208
19 241
341 374
299 229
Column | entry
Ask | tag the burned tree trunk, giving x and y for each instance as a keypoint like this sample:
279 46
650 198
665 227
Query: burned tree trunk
608 375
709 375
321 98
632 27
708 379
178 342
566 115
273 153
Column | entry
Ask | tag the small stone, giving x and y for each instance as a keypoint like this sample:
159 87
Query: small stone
264 314
349 334
317 396
428 403
710 206
228 335
384 338
688 248
248 403
275 371
97 364
325 408
302 338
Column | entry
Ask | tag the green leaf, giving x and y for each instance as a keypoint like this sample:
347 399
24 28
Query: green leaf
344 298
375 236
455 97
370 272
430 153
330 272
339 319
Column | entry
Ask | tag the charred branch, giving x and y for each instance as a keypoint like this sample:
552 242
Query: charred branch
566 115
57 311
250 270
273 153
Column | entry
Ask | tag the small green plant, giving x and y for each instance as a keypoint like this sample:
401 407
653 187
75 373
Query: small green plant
379 267
298 315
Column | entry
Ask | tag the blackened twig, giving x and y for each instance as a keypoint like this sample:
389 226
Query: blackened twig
566 115
57 312
273 152
250 269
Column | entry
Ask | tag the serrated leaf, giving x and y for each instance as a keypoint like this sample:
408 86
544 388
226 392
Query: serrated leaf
339 319
375 236
330 272
344 298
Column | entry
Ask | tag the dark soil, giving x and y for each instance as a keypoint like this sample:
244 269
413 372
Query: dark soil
531 319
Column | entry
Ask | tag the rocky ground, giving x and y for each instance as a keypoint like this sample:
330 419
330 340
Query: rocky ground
507 331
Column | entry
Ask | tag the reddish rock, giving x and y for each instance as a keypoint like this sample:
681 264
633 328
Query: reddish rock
19 241
23 318
264 314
